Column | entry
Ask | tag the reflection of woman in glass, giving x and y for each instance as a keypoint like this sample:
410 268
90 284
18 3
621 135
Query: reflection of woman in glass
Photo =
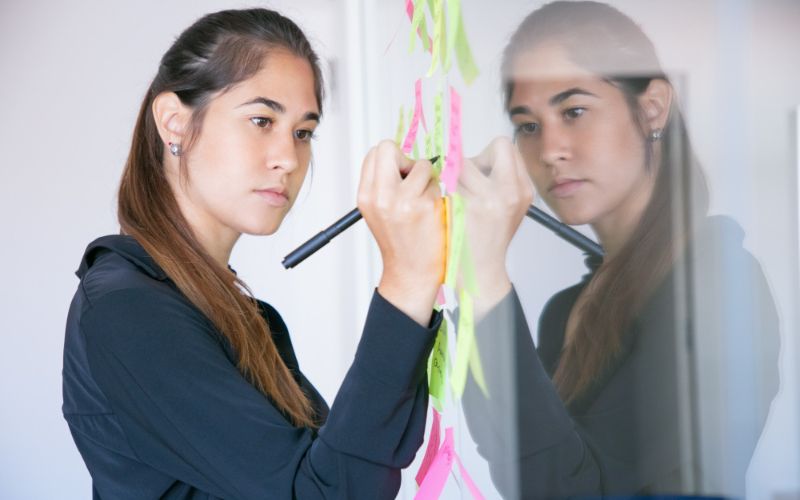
603 403
177 382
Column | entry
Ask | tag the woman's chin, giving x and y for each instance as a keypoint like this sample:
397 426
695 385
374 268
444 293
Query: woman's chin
261 229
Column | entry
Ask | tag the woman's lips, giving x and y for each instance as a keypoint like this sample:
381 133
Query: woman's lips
274 198
563 189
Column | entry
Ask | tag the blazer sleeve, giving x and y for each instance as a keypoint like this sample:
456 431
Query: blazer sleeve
188 412
523 430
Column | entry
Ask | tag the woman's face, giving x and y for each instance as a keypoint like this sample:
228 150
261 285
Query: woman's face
581 145
247 165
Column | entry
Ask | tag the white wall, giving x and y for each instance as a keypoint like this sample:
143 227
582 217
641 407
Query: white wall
74 74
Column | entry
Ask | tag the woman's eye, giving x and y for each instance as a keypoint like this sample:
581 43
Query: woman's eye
260 121
526 128
573 113
304 135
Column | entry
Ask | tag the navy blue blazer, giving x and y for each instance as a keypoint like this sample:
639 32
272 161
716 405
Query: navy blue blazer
158 409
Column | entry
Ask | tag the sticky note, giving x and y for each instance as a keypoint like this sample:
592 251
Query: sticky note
438 34
465 342
438 367
438 128
455 240
401 125
432 449
475 366
433 484
470 282
453 19
453 163
411 136
466 63
429 148
447 237
416 13
471 486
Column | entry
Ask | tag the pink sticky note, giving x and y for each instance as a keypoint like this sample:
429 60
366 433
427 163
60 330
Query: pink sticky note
476 493
433 446
433 484
453 163
411 136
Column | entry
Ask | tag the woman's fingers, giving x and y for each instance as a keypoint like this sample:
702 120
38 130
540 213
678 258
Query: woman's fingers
418 177
366 185
472 177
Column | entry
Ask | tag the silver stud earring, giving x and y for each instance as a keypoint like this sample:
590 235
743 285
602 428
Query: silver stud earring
655 135
175 149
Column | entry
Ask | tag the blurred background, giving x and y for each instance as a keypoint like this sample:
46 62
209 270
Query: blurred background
74 74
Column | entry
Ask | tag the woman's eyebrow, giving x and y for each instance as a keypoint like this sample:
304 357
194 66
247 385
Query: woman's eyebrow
519 110
553 101
278 107
563 96
273 105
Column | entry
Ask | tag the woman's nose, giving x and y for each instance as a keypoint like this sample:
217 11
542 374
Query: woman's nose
282 152
555 145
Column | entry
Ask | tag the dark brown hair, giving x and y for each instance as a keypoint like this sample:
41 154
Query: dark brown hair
215 53
603 40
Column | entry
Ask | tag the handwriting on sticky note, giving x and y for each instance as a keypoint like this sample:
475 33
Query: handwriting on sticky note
453 161
438 369
411 136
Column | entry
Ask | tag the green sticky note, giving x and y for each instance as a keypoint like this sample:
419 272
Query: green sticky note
401 126
468 269
457 223
416 21
477 369
437 370
465 341
428 146
438 127
466 63
415 152
453 20
438 34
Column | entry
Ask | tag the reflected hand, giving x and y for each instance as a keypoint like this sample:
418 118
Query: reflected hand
498 192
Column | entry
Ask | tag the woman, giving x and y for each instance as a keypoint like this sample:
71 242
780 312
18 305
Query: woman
177 382
604 403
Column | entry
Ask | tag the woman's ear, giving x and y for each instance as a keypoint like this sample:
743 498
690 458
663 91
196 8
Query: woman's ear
171 117
655 102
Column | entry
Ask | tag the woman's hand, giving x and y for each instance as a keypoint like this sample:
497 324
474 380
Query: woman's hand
406 217
498 192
